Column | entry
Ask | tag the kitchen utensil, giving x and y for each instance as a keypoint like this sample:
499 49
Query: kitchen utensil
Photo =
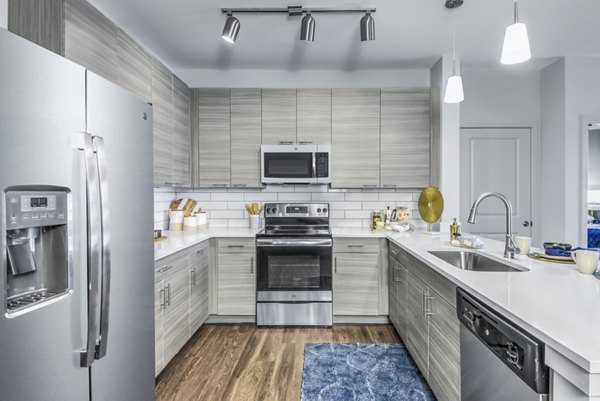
586 260
254 221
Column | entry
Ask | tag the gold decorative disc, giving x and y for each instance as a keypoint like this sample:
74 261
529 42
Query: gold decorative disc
431 204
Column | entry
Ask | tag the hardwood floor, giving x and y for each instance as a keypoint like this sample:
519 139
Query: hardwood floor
246 363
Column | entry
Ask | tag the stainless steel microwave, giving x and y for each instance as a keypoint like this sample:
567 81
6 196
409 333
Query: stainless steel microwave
295 164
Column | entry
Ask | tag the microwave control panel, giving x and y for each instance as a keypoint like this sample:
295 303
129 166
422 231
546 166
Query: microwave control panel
322 162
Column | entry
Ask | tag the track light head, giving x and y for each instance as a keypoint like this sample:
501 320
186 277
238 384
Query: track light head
307 28
231 29
367 28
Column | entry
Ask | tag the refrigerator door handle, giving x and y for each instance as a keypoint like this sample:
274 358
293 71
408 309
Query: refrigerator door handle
94 256
99 148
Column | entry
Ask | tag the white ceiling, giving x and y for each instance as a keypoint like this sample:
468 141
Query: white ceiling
185 34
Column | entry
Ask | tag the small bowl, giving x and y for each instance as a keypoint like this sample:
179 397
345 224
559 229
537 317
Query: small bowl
557 245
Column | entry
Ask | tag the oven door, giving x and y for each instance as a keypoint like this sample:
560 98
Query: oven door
282 164
293 269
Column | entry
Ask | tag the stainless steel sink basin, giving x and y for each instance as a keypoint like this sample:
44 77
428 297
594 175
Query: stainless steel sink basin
467 260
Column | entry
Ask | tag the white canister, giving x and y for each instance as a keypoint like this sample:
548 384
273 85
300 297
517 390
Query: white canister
254 221
176 220
201 220
189 223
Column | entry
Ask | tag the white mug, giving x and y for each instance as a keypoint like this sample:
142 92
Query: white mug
524 244
587 261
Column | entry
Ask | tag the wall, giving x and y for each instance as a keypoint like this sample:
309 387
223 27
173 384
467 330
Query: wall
594 160
304 78
4 14
348 208
500 96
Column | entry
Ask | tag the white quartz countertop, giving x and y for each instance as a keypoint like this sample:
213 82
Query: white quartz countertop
553 301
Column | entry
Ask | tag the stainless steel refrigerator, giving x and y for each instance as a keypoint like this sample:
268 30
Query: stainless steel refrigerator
76 288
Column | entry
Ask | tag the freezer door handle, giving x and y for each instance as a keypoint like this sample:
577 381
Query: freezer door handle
94 254
99 148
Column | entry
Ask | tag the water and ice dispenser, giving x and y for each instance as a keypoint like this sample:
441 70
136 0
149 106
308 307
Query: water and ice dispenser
37 263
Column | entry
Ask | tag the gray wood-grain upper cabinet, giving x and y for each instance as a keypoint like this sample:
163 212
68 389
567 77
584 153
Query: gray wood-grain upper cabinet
356 277
134 67
214 137
278 116
39 21
355 138
180 136
236 276
313 116
162 87
405 137
246 134
199 260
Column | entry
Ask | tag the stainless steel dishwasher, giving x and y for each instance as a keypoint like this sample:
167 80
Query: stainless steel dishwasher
499 361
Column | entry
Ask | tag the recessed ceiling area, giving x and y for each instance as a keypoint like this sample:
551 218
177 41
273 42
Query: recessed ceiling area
186 34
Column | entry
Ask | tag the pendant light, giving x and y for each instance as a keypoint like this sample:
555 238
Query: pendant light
367 28
231 29
307 28
454 87
515 49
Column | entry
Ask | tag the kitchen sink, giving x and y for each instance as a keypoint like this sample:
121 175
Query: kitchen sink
467 260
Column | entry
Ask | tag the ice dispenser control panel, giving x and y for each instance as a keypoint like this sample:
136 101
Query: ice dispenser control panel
33 209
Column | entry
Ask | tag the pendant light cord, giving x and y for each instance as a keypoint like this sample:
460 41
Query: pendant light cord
516 12
453 42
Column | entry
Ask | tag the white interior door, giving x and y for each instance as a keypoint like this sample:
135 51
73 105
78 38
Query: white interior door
496 160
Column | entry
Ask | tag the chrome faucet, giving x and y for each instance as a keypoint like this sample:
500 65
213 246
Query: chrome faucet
509 245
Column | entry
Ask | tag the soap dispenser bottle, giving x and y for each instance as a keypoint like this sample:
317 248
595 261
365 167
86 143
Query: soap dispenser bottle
454 229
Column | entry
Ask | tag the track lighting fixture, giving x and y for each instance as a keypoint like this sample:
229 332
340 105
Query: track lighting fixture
515 49
454 87
307 28
308 24
231 29
367 28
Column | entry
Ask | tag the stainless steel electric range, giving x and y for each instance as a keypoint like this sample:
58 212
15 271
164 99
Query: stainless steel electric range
293 266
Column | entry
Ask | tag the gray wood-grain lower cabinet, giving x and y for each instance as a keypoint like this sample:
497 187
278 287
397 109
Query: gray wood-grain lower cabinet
214 138
278 116
199 260
313 116
246 134
405 138
355 138
432 334
398 296
134 67
159 330
180 136
236 282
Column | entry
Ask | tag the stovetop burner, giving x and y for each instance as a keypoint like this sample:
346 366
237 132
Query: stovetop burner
297 231
296 220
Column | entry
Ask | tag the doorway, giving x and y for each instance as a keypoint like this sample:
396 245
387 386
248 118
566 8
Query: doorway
590 172
496 159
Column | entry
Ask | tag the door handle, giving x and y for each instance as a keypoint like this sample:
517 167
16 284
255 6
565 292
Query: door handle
99 148
527 223
94 255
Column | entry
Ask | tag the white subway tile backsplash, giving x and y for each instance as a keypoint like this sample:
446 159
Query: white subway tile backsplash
347 207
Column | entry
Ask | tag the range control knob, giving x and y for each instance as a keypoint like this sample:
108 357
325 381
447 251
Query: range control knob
319 210
325 210
274 210
268 210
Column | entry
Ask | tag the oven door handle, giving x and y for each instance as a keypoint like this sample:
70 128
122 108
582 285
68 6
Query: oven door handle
293 242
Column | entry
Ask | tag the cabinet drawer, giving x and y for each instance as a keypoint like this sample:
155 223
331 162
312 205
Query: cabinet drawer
169 265
356 245
199 253
236 245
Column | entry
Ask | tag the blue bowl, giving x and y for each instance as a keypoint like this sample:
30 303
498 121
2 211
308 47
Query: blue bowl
557 245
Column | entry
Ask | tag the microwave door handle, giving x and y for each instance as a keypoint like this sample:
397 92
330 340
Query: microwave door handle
105 230
314 165
94 256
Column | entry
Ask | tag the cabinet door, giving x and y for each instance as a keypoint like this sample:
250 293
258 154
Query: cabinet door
180 148
163 123
314 116
356 284
398 296
177 316
236 284
90 39
394 303
38 21
159 318
198 287
245 137
405 138
214 152
134 67
444 350
417 339
278 116
355 138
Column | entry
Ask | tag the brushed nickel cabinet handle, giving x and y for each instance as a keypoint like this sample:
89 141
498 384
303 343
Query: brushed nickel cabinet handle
335 265
355 245
305 142
240 185
219 185
162 298
251 264
168 295
286 142
428 308
164 269
369 186
235 246
389 185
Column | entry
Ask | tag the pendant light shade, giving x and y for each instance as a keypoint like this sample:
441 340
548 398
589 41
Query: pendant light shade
515 49
516 44
231 29
367 28
307 28
454 90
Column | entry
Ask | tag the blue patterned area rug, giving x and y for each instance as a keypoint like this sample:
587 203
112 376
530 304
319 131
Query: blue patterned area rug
361 372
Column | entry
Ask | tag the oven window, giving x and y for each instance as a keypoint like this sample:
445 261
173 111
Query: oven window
294 271
288 165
